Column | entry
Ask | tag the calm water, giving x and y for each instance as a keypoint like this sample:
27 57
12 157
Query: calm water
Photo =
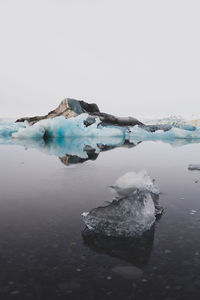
45 251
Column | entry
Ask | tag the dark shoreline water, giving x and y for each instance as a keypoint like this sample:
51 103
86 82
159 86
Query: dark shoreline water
46 253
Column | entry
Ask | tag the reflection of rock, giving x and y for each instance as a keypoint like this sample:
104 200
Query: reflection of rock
67 108
133 250
71 108
92 153
72 150
74 159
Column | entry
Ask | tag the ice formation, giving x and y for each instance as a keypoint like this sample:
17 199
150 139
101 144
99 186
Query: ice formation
130 215
131 181
8 128
61 127
137 134
177 121
85 125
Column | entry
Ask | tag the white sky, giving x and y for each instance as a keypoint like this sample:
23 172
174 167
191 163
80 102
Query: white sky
131 57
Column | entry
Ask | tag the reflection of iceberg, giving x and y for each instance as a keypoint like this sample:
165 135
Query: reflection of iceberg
72 150
74 146
178 142
82 147
136 250
131 215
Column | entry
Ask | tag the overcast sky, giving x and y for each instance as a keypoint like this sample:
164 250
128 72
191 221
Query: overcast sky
132 57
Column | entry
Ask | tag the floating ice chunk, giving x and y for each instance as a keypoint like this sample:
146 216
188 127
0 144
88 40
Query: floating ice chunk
176 121
75 126
131 181
137 134
132 214
8 128
29 132
129 216
192 167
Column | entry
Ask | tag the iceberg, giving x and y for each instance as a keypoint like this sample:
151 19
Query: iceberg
72 127
137 134
8 128
74 118
130 215
176 121
85 126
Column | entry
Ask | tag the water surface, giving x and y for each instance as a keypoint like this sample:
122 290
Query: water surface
45 250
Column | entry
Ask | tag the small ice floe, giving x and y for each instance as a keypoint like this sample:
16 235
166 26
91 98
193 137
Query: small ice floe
131 181
193 167
130 215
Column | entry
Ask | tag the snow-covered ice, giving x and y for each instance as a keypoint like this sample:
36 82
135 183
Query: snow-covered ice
188 122
137 134
131 181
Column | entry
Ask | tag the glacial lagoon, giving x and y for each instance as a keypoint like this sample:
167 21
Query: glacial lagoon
46 251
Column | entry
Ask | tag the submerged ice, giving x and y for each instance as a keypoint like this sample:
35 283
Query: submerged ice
130 215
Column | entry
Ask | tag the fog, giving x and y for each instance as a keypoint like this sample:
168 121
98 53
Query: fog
131 57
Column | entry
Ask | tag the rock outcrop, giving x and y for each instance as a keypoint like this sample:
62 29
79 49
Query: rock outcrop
67 108
71 108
